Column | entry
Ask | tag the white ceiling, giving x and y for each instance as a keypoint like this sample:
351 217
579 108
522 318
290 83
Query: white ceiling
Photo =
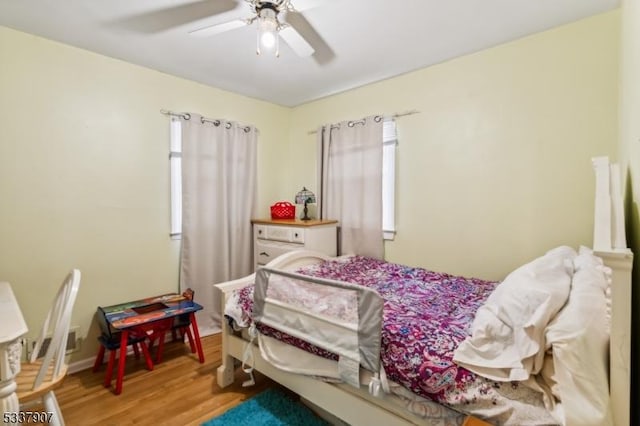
356 41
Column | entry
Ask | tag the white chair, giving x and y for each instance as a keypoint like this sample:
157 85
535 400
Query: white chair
41 375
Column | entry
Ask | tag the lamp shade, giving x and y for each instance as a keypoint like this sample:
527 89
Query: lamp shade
305 197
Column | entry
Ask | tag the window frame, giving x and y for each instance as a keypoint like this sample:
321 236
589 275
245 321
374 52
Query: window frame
175 167
389 148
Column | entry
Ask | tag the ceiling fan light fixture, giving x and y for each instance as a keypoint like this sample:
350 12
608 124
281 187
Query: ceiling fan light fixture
268 27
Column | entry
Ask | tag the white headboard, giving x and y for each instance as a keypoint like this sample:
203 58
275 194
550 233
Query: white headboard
609 243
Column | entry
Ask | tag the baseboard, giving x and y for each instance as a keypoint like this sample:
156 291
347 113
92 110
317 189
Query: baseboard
209 331
83 364
87 363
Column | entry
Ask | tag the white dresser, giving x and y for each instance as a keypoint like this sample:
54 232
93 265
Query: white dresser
273 237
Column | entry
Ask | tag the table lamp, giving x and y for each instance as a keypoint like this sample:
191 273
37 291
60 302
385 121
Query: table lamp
305 197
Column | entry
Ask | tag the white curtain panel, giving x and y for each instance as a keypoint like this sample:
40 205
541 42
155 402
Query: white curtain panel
350 177
218 201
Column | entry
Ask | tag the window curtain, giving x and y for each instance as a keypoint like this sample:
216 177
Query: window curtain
218 201
350 180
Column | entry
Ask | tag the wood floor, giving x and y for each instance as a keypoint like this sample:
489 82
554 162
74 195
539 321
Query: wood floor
179 391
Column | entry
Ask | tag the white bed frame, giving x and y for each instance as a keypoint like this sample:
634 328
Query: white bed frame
358 407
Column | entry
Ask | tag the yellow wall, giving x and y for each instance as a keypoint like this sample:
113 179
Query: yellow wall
494 170
84 173
630 158
496 167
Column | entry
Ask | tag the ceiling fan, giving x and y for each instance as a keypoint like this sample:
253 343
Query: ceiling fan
270 17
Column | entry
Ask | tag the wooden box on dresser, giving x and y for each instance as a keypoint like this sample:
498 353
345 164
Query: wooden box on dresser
273 237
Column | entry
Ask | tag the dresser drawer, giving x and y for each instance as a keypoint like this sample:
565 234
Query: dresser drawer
266 251
280 233
272 238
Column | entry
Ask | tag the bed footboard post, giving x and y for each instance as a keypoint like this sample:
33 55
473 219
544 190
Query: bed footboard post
225 373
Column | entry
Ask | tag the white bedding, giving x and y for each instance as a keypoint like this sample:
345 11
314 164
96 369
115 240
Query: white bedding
507 335
578 338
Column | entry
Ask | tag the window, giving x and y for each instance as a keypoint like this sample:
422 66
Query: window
175 165
389 143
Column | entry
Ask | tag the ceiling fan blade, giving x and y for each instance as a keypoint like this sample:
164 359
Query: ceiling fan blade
164 19
218 28
322 53
296 42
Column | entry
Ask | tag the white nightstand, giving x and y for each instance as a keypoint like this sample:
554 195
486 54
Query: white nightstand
273 237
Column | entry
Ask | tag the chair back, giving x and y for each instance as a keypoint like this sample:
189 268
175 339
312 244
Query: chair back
185 319
56 325
105 327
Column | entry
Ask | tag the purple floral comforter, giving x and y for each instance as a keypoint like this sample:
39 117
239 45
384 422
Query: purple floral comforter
426 316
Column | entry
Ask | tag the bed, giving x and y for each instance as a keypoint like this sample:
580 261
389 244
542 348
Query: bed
400 402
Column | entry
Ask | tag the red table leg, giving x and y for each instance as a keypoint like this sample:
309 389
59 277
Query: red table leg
161 331
190 337
109 373
99 357
123 355
147 355
196 335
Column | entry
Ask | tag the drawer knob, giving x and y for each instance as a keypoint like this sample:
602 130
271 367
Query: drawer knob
260 231
296 234
264 253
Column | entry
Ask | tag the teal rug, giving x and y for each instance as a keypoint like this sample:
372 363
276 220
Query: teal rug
269 408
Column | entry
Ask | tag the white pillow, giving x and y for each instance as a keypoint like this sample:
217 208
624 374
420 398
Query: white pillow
579 340
507 334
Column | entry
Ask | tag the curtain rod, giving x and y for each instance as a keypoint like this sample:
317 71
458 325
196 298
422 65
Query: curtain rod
394 115
187 116
184 115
